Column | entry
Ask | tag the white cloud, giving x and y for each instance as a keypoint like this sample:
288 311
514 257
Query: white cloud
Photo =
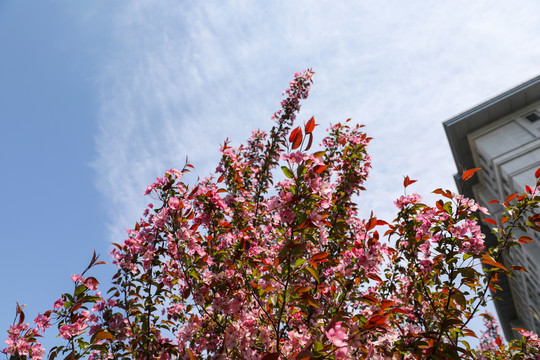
185 77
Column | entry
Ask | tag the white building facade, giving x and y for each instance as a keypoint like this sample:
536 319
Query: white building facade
502 136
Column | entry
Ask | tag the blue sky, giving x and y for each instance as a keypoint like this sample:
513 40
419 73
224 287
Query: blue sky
97 99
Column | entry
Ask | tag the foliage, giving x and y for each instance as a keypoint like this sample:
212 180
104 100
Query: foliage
270 260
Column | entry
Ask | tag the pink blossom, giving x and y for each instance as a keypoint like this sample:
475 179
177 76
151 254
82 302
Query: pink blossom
294 158
91 283
174 202
469 204
529 334
43 322
59 303
69 330
177 174
287 216
316 219
426 265
412 199
337 335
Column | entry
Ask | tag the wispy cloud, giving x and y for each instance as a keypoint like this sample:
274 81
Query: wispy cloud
186 75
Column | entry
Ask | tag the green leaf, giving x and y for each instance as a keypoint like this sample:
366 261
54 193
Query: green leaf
79 290
460 299
313 272
195 274
302 217
299 262
288 173
448 207
318 346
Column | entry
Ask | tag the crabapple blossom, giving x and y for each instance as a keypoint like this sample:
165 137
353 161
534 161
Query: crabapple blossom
269 259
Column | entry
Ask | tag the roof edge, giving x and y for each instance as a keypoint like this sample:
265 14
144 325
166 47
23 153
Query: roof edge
497 99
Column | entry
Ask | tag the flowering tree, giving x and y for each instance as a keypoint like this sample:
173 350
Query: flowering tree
270 260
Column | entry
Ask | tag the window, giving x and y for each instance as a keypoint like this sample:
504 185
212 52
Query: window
482 159
532 117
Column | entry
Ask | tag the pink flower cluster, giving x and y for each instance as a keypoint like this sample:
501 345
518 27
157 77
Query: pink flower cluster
490 335
20 342
298 90
403 201
70 330
469 204
338 336
89 282
246 266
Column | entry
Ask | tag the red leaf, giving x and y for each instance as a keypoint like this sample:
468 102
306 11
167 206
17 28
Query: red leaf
19 308
304 355
515 267
372 222
407 181
310 141
296 138
401 311
370 299
20 313
191 356
511 197
77 305
386 304
297 142
469 332
375 321
319 256
102 335
319 168
308 128
271 356
440 205
537 173
374 277
486 259
438 191
498 341
525 239
490 221
469 173
294 133
302 289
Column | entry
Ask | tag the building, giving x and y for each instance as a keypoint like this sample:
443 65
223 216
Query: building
502 136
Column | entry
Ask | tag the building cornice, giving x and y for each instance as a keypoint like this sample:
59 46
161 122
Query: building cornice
458 127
